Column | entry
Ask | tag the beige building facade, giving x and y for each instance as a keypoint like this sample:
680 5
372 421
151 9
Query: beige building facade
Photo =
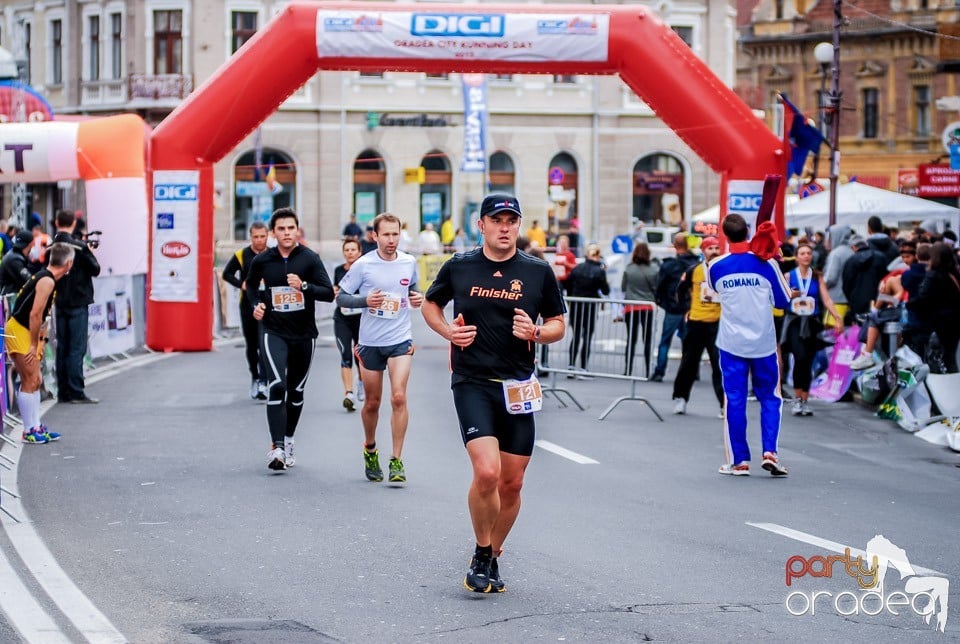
568 146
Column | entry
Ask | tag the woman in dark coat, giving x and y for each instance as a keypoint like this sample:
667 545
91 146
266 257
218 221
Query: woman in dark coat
588 279
938 303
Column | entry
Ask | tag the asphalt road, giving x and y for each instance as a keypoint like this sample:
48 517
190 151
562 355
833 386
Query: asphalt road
159 506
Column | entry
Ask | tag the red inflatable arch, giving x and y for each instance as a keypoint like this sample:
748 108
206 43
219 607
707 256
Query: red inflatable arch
310 36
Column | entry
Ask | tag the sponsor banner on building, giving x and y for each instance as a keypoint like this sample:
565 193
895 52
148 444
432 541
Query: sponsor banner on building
111 320
175 221
464 35
474 123
938 180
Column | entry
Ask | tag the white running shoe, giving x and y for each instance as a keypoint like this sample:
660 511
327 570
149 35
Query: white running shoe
276 459
361 396
254 388
350 401
288 458
797 408
864 361
262 391
735 469
679 406
805 409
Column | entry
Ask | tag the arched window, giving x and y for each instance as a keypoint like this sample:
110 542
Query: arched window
658 189
502 173
435 190
261 189
562 192
369 186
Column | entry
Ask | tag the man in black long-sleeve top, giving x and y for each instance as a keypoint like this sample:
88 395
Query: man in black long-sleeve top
294 279
14 272
74 296
235 273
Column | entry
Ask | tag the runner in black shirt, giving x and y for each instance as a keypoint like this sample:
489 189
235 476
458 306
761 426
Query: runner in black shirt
498 293
346 329
235 273
294 278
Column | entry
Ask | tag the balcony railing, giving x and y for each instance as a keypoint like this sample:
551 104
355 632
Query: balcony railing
160 86
103 92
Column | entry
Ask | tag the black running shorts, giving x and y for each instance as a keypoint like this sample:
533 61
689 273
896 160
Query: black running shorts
482 412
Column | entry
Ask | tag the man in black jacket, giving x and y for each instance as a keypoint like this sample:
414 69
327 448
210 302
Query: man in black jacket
13 269
674 304
235 273
74 296
862 273
879 240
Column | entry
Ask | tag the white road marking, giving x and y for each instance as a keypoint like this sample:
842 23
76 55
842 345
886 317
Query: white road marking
826 544
25 612
565 453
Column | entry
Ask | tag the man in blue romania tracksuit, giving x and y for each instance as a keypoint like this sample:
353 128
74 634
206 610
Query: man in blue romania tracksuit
749 287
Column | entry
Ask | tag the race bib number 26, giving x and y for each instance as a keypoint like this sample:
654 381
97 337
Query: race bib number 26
389 309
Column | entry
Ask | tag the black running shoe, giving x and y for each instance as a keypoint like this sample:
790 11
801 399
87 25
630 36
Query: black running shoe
478 577
496 584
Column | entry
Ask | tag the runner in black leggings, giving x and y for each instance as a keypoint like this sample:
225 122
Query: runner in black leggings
346 329
235 273
294 278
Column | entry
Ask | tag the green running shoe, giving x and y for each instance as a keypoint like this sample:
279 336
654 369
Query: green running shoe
397 475
371 464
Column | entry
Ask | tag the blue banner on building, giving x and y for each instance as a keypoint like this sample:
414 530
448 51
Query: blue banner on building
474 123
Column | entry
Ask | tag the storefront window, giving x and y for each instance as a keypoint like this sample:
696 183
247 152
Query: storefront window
658 189
435 190
369 186
259 190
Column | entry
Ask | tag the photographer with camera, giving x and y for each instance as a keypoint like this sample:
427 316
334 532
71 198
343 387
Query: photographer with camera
74 296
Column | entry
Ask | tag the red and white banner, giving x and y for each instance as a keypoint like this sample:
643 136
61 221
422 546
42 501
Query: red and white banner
938 180
474 34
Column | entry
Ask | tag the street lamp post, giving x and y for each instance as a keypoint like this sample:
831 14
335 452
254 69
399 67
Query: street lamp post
829 54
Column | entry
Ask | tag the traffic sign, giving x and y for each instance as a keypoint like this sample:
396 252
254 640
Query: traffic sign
622 244
556 175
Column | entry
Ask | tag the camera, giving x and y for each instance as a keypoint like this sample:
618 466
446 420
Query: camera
92 238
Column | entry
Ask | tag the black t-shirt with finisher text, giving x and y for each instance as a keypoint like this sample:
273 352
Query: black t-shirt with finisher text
486 292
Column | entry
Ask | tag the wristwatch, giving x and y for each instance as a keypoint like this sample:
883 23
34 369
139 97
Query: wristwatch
303 286
536 333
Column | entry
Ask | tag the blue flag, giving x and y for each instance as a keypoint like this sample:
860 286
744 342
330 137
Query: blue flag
803 138
474 123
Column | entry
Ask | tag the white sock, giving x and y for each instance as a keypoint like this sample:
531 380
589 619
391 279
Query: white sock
28 413
36 409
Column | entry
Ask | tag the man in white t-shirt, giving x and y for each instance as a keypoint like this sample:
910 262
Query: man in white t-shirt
384 284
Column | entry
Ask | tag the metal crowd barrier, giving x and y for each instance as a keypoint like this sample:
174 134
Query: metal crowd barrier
603 327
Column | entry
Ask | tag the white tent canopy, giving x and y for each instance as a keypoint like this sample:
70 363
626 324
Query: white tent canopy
857 202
